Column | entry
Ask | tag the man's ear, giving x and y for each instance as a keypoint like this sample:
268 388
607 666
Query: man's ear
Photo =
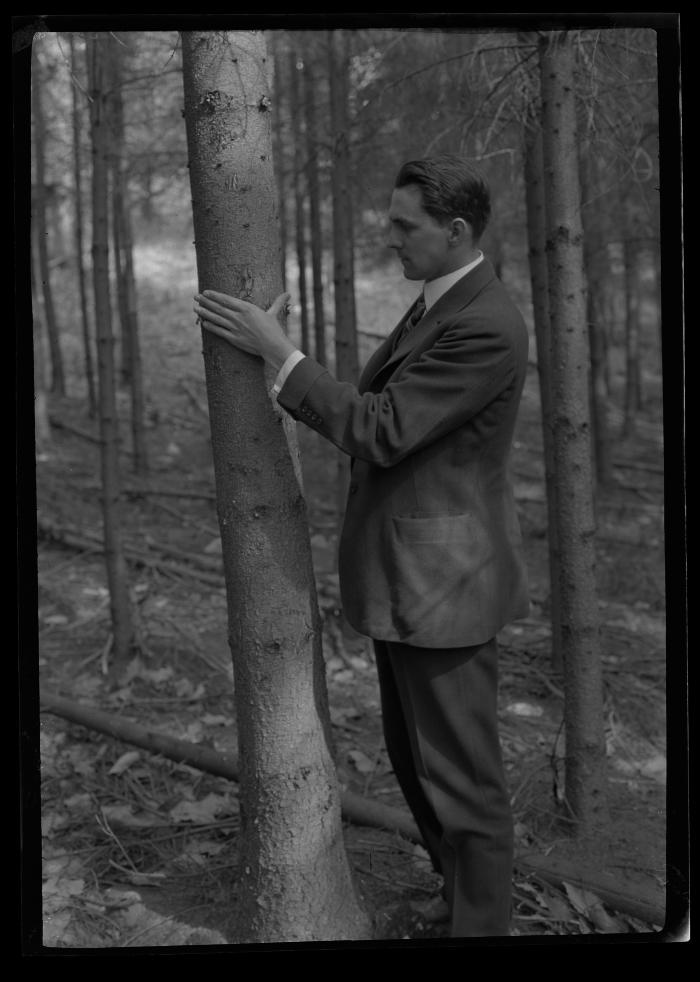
460 232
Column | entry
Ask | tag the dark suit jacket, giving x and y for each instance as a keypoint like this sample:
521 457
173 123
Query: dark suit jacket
430 552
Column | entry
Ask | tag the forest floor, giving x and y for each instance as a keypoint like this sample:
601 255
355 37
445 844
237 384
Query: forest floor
141 851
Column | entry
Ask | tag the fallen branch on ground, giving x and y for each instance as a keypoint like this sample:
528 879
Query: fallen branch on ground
361 811
355 808
198 568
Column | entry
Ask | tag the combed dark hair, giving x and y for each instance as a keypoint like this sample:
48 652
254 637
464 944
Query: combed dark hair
451 188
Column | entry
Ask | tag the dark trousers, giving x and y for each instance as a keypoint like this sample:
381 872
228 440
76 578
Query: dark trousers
439 709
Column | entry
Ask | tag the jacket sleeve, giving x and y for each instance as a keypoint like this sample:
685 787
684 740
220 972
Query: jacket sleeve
465 369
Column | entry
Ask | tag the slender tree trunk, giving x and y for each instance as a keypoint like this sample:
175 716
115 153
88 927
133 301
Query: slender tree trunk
295 119
124 264
58 384
598 347
314 185
632 366
535 205
346 358
584 729
42 427
100 132
346 361
596 269
79 239
295 882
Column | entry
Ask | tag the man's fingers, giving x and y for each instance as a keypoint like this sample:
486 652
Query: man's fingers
279 303
232 303
208 316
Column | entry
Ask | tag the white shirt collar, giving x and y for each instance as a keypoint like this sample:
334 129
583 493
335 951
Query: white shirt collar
434 289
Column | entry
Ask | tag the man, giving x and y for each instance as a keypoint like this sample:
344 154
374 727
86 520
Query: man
430 555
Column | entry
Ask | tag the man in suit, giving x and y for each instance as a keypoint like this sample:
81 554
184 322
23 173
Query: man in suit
430 556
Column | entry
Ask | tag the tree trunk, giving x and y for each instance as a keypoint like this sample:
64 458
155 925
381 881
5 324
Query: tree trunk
124 264
632 369
294 882
42 427
535 206
299 210
313 181
598 347
79 238
278 143
346 360
39 204
120 604
584 730
595 266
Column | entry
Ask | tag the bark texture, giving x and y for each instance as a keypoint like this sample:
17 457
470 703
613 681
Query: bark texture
314 184
294 881
299 178
585 745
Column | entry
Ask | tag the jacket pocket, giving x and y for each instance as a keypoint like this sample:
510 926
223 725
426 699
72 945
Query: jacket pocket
441 571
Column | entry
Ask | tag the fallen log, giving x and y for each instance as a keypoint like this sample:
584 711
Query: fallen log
199 568
644 905
355 808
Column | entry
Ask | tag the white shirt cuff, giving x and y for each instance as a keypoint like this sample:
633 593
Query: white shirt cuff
292 360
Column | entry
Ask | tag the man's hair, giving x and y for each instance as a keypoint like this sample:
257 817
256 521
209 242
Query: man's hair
451 188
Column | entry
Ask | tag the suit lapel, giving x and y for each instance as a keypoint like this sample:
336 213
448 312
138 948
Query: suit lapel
456 298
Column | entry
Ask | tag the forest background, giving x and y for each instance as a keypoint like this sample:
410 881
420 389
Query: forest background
141 850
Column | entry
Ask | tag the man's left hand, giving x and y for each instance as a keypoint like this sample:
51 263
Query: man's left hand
246 326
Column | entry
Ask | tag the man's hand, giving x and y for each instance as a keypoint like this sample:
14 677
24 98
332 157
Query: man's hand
246 326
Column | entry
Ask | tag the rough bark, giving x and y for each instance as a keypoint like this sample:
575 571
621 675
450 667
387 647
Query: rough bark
78 231
294 881
346 362
124 264
278 143
537 258
299 179
584 730
346 356
40 226
632 362
595 265
314 185
120 604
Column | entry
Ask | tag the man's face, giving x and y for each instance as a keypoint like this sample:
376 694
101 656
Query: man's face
421 242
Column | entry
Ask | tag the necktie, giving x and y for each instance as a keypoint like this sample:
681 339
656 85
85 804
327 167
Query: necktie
413 318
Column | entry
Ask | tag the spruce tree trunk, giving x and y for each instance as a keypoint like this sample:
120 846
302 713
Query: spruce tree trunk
79 236
124 265
100 132
346 362
42 427
346 358
294 879
537 258
584 727
278 147
595 271
632 366
314 185
40 225
299 210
